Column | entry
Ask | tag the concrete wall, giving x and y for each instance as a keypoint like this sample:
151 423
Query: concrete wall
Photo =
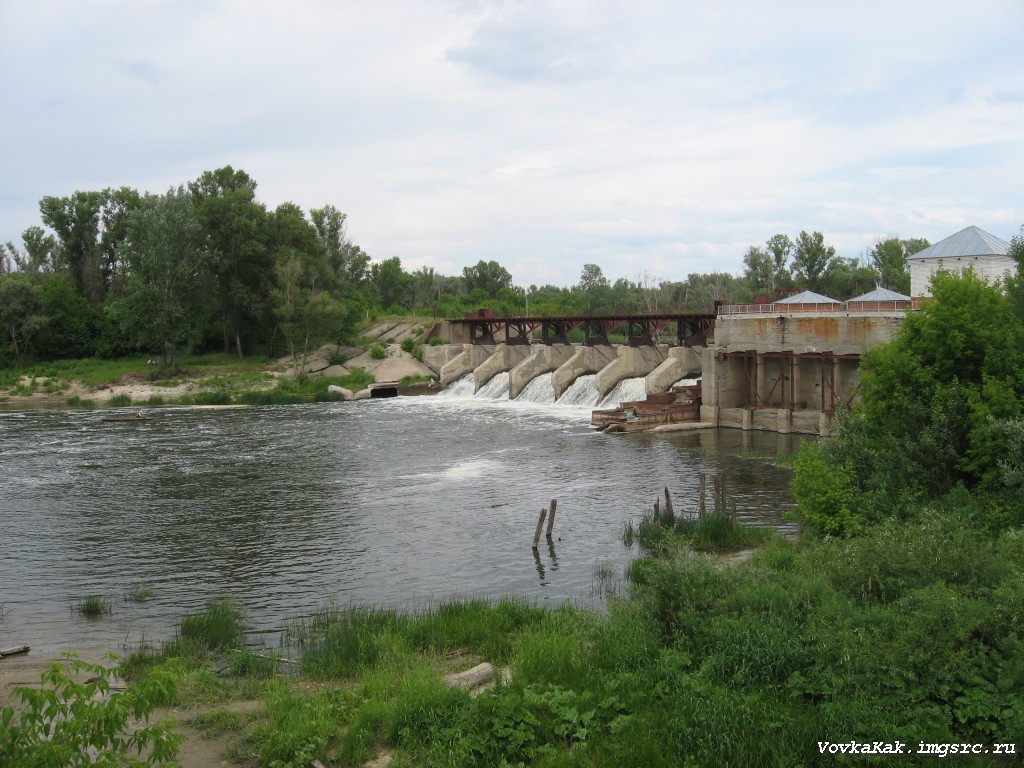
466 361
438 356
682 362
544 358
629 363
584 361
841 333
505 358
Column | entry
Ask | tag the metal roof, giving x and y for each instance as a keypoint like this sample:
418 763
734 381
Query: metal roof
881 294
807 297
967 242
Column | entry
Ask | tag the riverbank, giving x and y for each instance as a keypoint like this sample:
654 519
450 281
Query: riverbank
209 379
907 633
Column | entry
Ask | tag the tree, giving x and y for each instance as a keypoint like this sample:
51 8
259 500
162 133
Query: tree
812 259
779 249
758 271
889 259
168 263
234 228
932 402
90 227
390 283
20 313
595 287
488 277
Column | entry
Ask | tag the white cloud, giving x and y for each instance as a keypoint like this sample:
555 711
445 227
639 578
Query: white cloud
654 135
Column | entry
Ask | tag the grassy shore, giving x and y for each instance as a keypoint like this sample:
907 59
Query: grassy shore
907 633
212 379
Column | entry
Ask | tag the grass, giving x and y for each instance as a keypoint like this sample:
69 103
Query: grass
93 606
909 632
138 593
216 629
119 401
79 402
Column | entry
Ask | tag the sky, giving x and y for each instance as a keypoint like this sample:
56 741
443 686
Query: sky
654 139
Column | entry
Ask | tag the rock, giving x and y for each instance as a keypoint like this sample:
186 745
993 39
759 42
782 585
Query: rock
346 393
362 394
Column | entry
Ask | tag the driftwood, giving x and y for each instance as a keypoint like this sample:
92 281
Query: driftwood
479 675
14 651
458 653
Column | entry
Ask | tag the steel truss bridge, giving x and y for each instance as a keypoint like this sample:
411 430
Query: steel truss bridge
692 329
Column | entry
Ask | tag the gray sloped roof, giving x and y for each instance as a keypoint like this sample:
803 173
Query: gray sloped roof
967 242
807 297
881 294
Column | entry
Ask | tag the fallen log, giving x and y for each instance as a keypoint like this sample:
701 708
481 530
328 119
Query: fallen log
14 651
479 675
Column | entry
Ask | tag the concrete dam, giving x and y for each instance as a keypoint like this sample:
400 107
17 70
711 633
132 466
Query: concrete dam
775 367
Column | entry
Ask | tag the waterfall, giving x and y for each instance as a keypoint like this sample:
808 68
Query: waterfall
461 387
582 392
626 391
539 390
496 388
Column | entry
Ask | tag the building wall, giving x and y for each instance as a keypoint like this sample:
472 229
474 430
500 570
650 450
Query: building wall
989 268
833 332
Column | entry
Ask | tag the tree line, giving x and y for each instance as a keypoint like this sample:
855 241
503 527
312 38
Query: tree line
206 266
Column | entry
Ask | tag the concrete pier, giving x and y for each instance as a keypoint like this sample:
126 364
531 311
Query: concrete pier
630 362
505 358
544 358
457 360
584 361
682 362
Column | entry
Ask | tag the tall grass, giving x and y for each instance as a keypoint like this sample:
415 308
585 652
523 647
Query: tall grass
217 628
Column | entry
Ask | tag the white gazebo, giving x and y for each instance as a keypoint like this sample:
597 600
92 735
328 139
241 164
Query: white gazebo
986 254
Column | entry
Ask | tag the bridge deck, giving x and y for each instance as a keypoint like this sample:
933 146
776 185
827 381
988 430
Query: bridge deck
692 329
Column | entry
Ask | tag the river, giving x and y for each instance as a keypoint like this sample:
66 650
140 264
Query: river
394 503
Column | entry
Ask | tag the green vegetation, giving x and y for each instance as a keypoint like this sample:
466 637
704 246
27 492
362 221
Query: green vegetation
70 724
93 606
138 593
377 352
118 401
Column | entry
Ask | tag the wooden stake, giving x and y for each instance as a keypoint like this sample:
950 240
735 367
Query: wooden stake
540 526
669 512
703 494
551 517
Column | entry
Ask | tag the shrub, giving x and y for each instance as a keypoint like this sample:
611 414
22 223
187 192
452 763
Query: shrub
119 401
377 352
64 723
437 341
408 345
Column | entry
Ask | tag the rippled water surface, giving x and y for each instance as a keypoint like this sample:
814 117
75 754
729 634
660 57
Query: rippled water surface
387 502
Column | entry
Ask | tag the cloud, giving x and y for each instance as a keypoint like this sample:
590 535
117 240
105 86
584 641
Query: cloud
545 136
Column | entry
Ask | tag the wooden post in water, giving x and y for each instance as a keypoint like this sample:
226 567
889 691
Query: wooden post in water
657 509
551 517
540 525
703 494
670 514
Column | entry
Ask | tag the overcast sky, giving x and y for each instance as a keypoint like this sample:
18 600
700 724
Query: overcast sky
646 137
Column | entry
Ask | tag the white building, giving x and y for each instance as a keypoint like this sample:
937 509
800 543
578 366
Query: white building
985 253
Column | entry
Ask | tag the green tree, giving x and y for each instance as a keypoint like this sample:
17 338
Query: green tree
487 277
234 226
889 259
390 283
90 228
168 263
932 400
72 323
20 313
812 259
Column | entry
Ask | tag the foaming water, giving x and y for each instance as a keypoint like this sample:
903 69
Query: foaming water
626 391
582 392
496 388
539 390
392 502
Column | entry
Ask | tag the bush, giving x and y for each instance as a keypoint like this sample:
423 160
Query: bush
377 352
408 345
64 723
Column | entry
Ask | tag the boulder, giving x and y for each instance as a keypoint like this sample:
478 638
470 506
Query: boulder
345 393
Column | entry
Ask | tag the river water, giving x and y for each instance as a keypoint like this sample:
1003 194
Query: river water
398 503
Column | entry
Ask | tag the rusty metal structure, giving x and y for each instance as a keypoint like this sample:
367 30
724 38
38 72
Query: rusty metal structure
692 330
